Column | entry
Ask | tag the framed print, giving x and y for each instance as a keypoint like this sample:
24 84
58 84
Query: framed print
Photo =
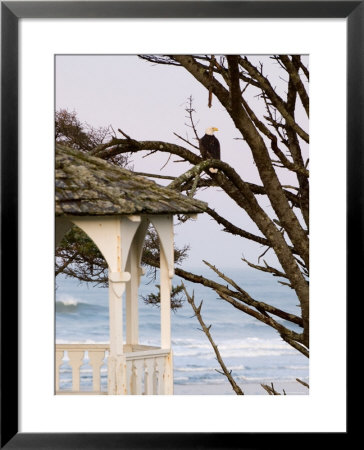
48 50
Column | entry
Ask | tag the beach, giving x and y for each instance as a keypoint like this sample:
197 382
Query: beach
290 387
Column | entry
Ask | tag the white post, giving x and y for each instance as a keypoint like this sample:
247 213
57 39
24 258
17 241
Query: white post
168 374
164 227
132 320
165 283
116 360
165 302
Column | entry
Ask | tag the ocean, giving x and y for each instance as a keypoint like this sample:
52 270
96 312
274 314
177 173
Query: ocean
254 352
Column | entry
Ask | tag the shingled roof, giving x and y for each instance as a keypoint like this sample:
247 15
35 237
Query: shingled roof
86 185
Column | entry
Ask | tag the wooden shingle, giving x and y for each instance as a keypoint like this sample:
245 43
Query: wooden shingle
86 185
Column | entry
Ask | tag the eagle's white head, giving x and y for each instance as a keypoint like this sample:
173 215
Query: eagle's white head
210 131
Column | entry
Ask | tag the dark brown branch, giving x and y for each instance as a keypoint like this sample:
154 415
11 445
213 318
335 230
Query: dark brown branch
293 343
267 268
200 72
241 295
118 146
273 120
286 162
292 68
304 69
302 382
263 129
270 389
124 134
160 59
255 189
199 279
206 330
295 150
233 229
211 75
234 83
273 96
224 72
262 315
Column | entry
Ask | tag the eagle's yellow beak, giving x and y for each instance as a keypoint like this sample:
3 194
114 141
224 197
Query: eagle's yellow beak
215 129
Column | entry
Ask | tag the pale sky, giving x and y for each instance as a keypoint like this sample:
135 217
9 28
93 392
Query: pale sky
148 102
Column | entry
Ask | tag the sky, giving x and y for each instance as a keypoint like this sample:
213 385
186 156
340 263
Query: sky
148 102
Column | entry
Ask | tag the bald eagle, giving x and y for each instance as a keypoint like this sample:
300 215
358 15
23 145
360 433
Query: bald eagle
210 146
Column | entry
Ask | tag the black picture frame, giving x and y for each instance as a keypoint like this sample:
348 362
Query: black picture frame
11 12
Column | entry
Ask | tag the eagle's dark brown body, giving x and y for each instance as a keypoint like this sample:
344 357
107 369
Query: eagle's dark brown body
209 147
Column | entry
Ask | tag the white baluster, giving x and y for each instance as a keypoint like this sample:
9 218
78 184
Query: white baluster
137 375
96 358
161 366
129 368
59 362
132 380
156 376
76 360
139 363
148 377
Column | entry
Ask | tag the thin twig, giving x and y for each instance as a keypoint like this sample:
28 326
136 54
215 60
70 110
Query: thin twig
190 110
265 251
164 165
185 140
150 153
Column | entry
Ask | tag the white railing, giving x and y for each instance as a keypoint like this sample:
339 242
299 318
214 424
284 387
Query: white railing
148 369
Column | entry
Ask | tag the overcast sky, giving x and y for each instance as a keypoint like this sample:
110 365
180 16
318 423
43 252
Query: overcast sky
148 102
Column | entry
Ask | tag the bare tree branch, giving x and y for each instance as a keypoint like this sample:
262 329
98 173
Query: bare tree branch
262 316
270 389
273 96
292 68
302 382
206 330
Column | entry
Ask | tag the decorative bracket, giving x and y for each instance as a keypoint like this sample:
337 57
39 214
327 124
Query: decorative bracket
117 282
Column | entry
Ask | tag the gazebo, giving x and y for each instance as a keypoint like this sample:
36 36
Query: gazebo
114 207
